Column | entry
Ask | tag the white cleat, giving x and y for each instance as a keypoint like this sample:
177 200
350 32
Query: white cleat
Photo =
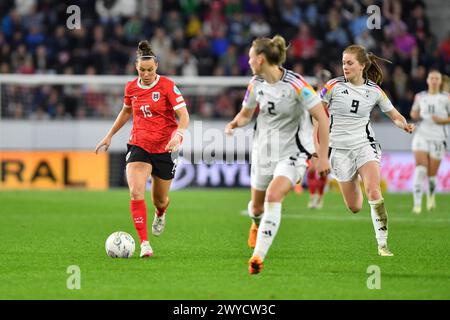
146 250
319 203
417 210
431 203
158 225
312 204
384 251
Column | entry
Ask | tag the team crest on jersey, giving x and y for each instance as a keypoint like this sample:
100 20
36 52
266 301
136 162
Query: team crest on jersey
155 96
306 92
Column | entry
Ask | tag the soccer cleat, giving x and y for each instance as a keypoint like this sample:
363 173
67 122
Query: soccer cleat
146 250
158 225
431 203
384 251
298 189
255 265
312 204
417 210
252 235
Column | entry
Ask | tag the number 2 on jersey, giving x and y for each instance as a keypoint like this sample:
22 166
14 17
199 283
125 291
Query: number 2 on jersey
271 108
355 105
146 111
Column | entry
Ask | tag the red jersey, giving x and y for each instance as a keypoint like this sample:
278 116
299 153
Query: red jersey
154 108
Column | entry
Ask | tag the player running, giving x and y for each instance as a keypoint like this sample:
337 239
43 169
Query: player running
316 182
432 107
153 100
354 150
278 161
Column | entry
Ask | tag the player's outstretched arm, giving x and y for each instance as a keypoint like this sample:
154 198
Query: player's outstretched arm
400 121
318 113
122 118
241 119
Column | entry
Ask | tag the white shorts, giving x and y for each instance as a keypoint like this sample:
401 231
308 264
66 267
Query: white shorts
262 173
346 162
435 148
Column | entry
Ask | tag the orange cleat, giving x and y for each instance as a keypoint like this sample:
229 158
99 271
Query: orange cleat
252 235
255 265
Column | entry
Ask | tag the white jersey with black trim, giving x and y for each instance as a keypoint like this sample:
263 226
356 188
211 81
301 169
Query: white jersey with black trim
350 107
429 105
282 113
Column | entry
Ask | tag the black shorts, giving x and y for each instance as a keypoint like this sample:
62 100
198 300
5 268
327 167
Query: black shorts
163 164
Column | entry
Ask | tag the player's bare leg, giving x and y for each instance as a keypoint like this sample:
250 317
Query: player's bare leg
270 222
137 177
370 174
255 211
160 198
420 172
351 192
432 171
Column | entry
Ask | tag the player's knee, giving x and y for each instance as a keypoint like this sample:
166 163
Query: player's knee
273 196
137 193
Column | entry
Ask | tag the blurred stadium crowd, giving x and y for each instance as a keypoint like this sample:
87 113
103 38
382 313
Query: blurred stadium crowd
205 38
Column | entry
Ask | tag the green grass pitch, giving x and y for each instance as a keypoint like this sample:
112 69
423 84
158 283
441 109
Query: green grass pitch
203 252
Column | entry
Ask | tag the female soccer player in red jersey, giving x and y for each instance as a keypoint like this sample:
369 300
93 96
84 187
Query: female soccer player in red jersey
153 100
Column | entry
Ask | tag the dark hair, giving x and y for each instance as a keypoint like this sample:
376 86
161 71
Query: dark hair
144 51
372 70
273 49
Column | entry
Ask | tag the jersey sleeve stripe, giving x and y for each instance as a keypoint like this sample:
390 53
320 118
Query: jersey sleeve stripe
178 106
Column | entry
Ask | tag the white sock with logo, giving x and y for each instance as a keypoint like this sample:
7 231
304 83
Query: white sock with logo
268 228
431 185
419 176
379 220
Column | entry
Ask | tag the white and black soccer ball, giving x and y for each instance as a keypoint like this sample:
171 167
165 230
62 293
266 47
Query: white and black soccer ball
120 245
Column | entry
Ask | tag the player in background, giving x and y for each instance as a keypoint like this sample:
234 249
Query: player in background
153 101
316 182
432 108
354 150
278 162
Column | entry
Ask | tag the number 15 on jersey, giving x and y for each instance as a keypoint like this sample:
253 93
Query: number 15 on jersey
146 111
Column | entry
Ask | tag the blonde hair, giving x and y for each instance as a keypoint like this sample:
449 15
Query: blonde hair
372 70
273 49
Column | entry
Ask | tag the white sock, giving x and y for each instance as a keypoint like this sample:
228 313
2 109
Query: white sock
256 219
431 185
380 220
268 228
419 175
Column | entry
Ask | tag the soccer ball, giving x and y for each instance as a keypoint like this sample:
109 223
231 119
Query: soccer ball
120 245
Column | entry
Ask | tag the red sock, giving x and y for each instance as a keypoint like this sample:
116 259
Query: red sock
161 211
139 214
321 183
312 184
